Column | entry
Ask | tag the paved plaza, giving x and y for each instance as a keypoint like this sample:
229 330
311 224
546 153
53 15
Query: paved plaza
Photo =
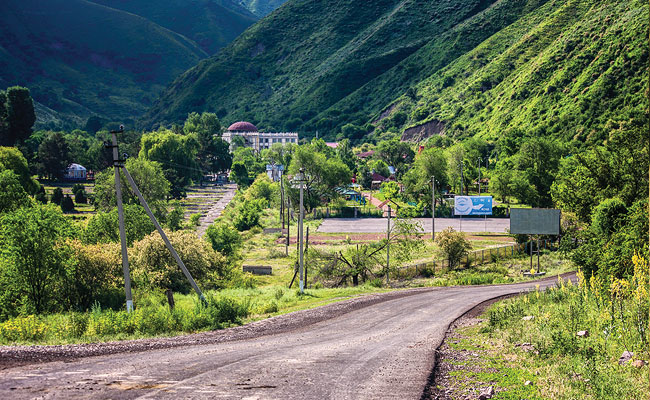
376 225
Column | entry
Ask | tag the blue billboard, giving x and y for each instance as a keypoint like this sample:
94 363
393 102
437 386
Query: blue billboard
473 205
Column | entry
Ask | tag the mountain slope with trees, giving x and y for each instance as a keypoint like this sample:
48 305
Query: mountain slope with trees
538 67
83 59
261 8
212 24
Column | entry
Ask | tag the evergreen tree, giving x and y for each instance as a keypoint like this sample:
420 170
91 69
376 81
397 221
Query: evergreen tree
20 115
53 156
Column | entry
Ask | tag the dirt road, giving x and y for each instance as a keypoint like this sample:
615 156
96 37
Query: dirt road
375 347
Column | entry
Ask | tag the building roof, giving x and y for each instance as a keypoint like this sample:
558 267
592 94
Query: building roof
77 167
366 154
242 126
332 144
377 177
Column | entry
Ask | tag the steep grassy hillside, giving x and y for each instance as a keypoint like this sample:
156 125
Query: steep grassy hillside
212 24
307 56
261 8
571 70
80 58
561 67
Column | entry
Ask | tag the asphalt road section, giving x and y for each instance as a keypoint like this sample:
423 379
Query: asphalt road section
374 347
376 225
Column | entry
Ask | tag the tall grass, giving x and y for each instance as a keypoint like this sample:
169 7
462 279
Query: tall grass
614 315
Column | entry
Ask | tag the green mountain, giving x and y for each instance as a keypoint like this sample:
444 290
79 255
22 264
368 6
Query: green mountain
80 58
453 66
212 24
261 8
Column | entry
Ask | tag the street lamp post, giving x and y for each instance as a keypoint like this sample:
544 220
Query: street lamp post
479 176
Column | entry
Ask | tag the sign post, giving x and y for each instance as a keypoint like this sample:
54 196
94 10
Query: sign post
535 221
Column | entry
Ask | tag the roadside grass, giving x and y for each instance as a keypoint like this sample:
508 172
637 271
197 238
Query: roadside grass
546 350
152 316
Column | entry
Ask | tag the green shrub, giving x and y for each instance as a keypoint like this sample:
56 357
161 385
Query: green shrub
453 246
67 205
248 214
21 329
155 268
104 227
224 238
57 196
195 219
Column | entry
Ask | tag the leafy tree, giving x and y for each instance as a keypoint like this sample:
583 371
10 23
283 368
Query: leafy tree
417 181
155 268
148 176
265 189
353 132
12 159
175 218
20 115
364 177
323 176
93 124
12 195
396 153
95 274
345 154
34 259
103 227
4 124
213 154
239 174
453 246
379 167
224 238
57 196
53 156
248 214
279 154
178 156
539 158
608 217
390 189
67 205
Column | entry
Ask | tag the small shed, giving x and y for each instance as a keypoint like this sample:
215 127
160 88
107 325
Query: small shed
75 172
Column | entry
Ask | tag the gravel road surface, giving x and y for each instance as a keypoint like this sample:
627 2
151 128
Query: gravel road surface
374 225
372 347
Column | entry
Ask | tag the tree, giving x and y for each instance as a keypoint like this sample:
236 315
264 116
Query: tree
20 115
53 156
453 246
12 159
213 154
177 155
248 214
224 238
57 196
154 267
379 167
239 174
539 158
103 227
4 124
12 195
148 176
417 181
67 205
35 256
390 189
345 154
323 176
368 260
396 154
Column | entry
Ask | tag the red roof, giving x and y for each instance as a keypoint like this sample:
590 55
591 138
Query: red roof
366 154
332 144
377 177
242 126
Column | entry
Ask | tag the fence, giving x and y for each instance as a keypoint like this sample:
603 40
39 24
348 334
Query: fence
476 257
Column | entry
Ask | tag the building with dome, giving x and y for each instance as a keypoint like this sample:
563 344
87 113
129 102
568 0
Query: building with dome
255 139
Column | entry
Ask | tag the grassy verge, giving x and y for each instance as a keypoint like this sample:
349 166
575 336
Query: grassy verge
529 346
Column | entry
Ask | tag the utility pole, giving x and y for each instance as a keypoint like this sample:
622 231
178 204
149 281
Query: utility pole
433 208
388 246
117 163
461 178
479 176
282 202
300 181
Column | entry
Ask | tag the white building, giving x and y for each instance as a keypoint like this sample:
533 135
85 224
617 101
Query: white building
258 140
75 172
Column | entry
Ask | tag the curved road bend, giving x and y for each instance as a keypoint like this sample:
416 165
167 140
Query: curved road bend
382 351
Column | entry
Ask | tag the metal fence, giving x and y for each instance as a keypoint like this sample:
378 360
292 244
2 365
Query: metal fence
476 257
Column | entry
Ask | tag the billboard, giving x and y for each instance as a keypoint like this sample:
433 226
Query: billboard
473 205
535 221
